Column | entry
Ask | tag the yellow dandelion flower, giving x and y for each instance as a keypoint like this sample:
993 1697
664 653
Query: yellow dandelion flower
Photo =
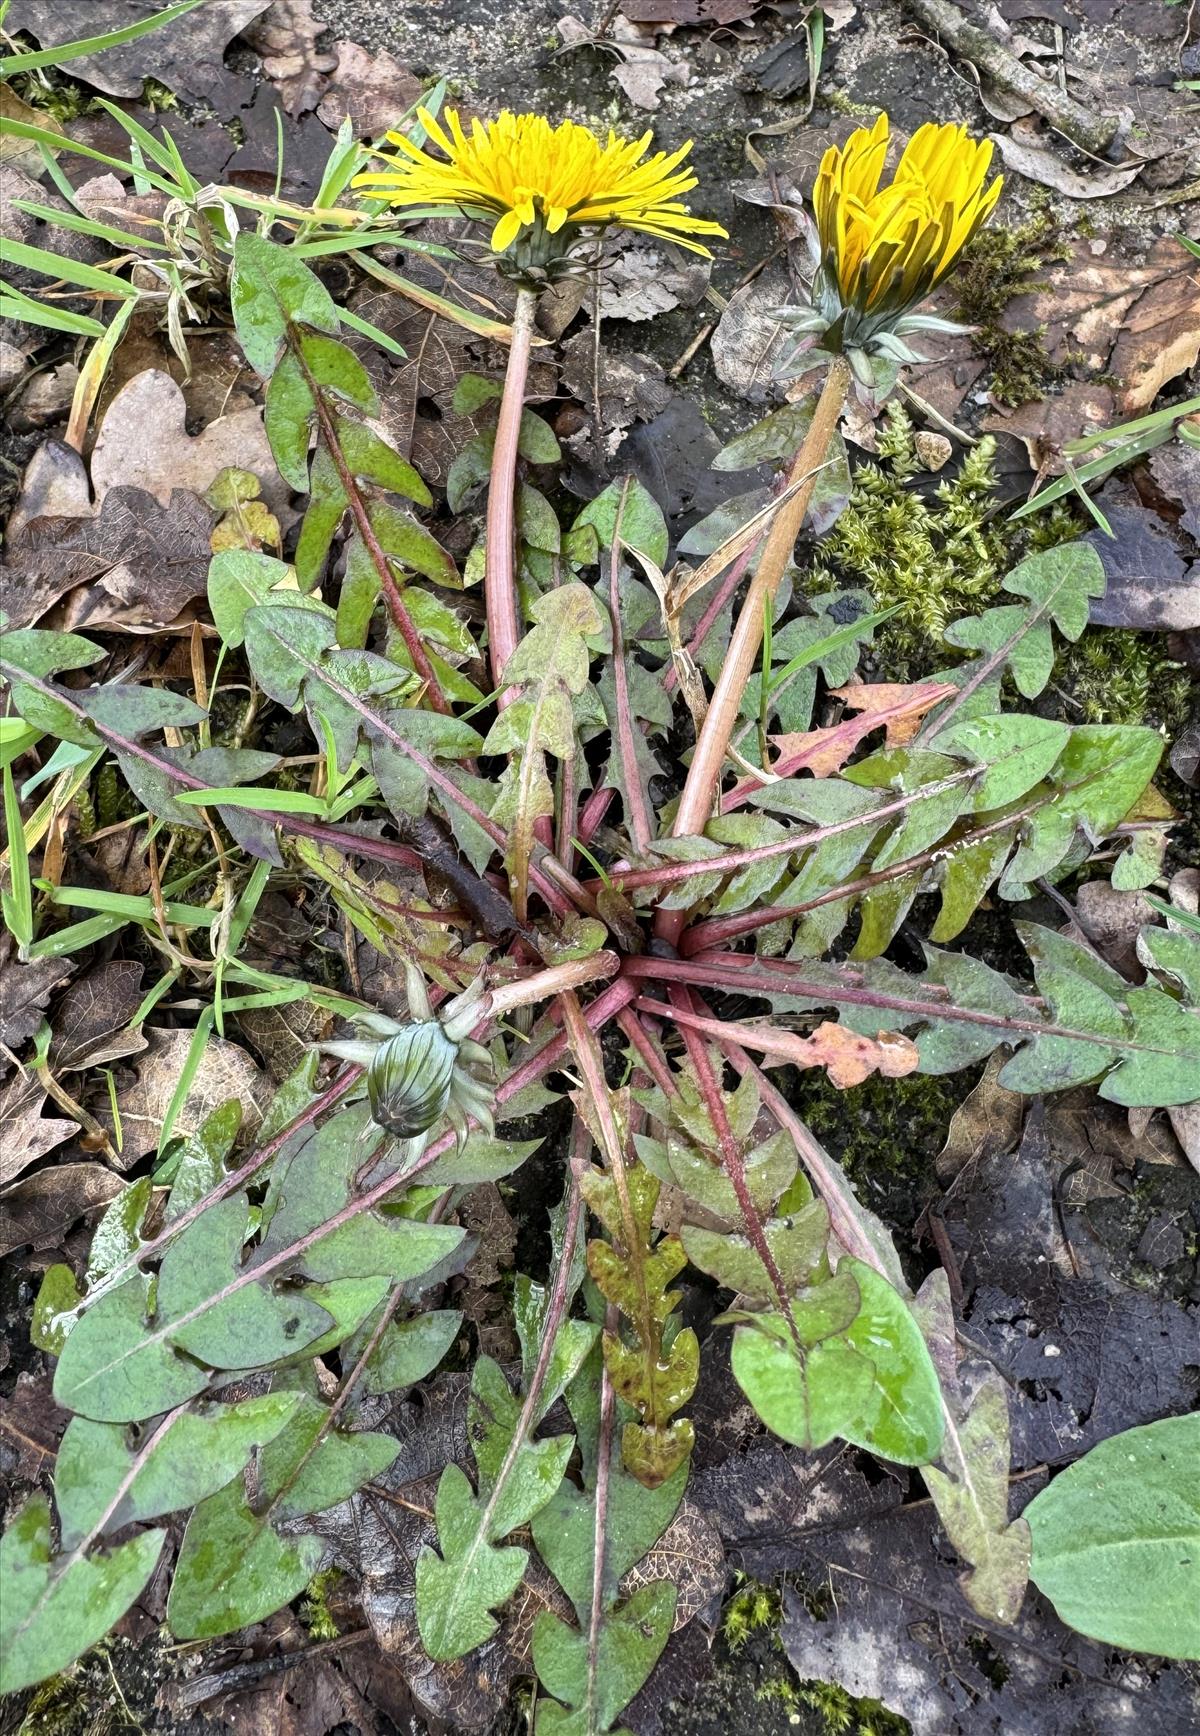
539 183
880 250
887 247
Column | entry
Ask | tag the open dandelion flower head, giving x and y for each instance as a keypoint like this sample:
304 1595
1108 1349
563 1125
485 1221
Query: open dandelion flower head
884 248
540 184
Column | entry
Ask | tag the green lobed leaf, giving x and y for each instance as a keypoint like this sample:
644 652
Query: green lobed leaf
234 1568
240 579
1116 1540
458 1590
122 1363
271 289
629 1644
200 1451
53 1610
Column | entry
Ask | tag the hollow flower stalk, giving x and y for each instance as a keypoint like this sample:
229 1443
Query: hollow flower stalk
542 185
880 250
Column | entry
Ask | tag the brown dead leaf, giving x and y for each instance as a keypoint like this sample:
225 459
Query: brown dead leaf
748 338
1138 319
1150 586
1112 920
36 1211
286 36
988 1121
1045 425
25 991
487 1218
143 443
895 707
691 1555
25 1134
31 1426
1175 469
645 280
23 153
898 706
1037 163
1159 338
136 565
45 398
55 485
225 1071
371 87
640 68
91 1021
187 55
847 1057
417 412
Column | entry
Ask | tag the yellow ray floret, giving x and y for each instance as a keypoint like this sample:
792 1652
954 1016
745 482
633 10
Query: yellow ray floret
526 173
887 247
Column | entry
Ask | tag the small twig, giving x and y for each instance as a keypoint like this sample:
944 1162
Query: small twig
194 1693
1091 130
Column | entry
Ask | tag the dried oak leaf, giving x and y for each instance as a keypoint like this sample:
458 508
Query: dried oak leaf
38 1209
225 1071
143 443
1176 472
187 55
1082 1357
55 485
417 412
989 1120
371 87
25 1133
1159 337
645 280
748 339
137 564
1085 301
286 36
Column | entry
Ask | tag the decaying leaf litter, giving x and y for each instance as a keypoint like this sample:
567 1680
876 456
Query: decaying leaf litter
1057 1240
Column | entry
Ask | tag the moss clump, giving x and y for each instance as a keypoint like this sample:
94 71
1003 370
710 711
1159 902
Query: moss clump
1113 675
936 557
158 97
844 1716
751 1609
315 1612
883 1131
47 90
999 265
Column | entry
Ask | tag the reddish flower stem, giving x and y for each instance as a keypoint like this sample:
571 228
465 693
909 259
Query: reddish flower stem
499 580
702 787
379 560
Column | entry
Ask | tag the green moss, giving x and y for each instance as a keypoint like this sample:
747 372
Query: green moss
839 102
157 97
47 90
1113 675
937 558
999 264
752 1608
842 1714
883 1131
315 1612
